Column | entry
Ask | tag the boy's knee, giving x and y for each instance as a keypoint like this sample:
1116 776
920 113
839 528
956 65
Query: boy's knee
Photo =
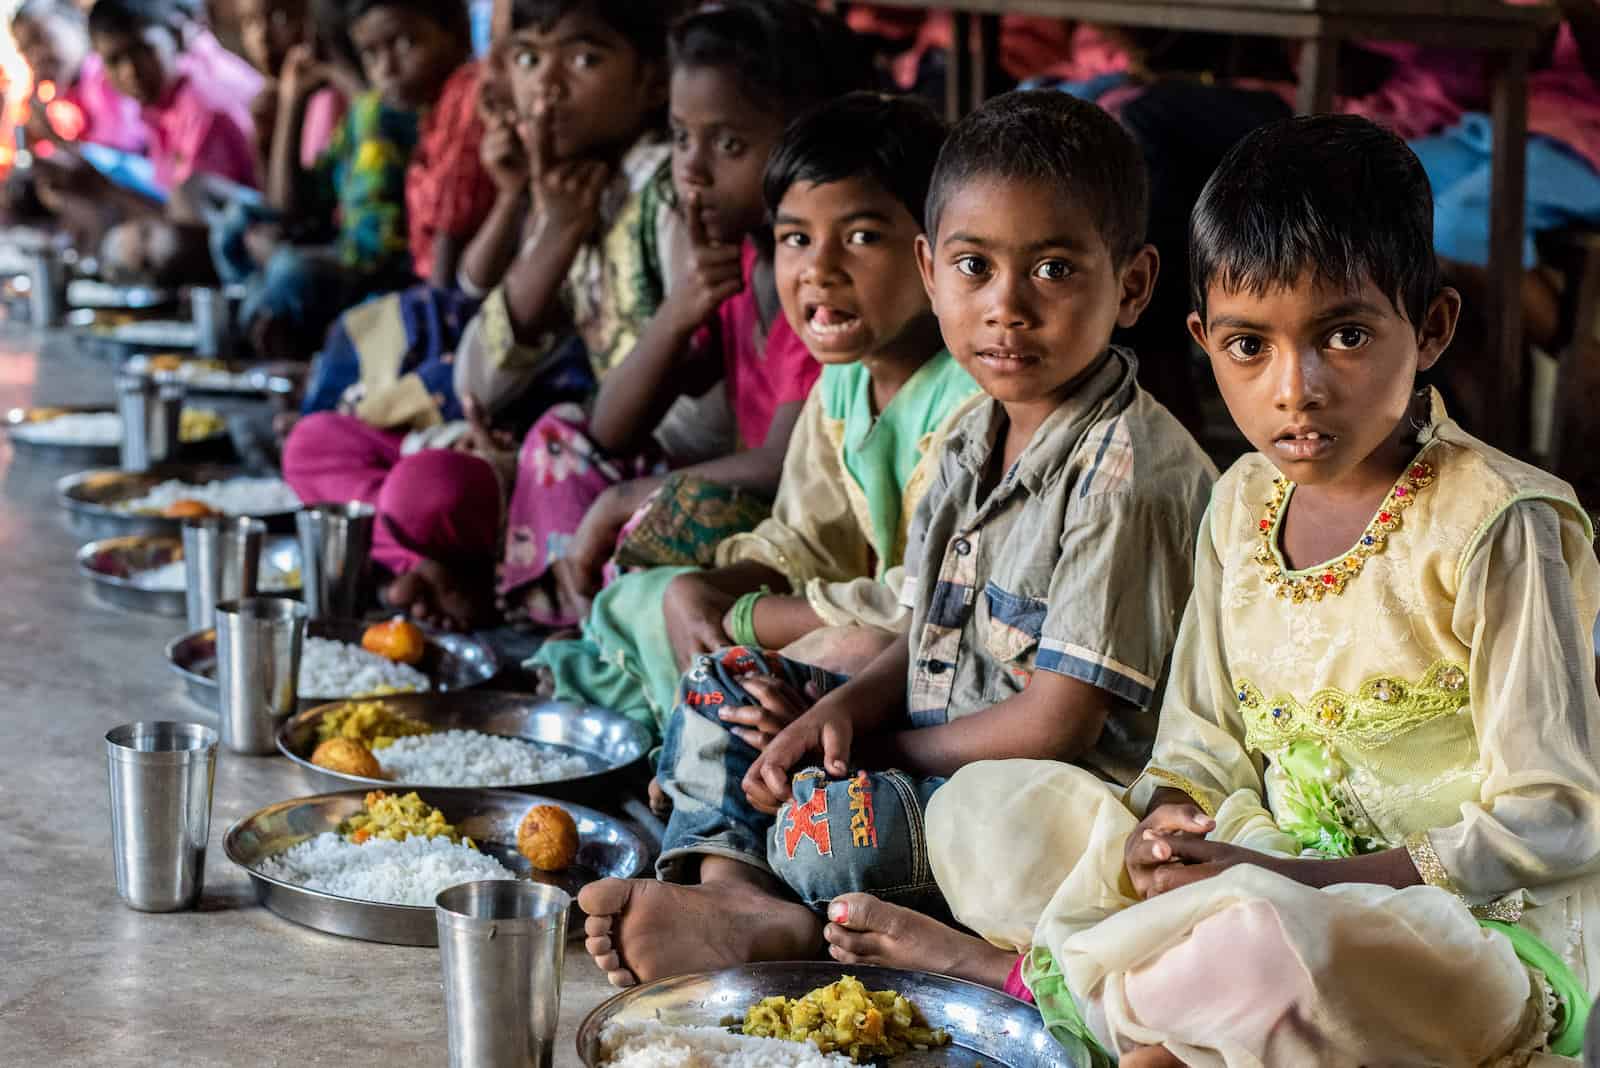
863 834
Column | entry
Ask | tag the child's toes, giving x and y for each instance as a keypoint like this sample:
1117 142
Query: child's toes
858 945
598 947
862 912
597 926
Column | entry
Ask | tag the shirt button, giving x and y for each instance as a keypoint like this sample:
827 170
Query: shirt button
963 547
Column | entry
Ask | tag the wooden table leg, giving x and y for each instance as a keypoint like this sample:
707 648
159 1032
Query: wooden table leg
958 67
986 64
1506 424
1319 59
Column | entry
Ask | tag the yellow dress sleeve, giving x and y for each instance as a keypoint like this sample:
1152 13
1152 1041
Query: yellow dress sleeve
1529 594
1199 746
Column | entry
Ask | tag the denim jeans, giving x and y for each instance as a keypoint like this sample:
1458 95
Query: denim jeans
864 833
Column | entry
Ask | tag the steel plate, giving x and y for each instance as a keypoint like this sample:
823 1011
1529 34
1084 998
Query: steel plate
607 848
451 661
89 496
89 293
607 741
218 448
110 565
985 1026
205 378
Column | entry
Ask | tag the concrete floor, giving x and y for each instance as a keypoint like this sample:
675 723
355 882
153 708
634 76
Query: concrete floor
83 979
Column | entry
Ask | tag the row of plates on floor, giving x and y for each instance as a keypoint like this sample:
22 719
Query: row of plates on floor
984 1024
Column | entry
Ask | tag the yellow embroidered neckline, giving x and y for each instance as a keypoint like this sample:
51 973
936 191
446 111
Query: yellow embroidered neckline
1331 578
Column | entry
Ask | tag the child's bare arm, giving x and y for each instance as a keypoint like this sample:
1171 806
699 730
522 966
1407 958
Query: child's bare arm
661 369
301 76
566 210
446 260
494 246
1055 718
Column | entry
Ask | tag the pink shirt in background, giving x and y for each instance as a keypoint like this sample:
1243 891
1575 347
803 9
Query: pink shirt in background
761 375
109 118
230 75
1564 102
1430 89
202 126
324 111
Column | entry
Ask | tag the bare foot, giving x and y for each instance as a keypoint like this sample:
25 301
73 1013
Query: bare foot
1150 1057
639 929
431 593
868 930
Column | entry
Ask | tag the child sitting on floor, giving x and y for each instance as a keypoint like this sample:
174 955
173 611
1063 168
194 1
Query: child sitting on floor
274 31
1045 573
52 37
846 189
589 78
740 71
195 125
1371 823
356 192
191 124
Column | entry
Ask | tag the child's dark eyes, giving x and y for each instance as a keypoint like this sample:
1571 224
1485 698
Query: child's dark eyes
525 58
794 239
1245 348
585 61
863 237
1347 338
732 146
972 266
1053 270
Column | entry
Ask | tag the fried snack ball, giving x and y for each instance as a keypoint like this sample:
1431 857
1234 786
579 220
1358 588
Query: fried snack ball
348 757
548 838
395 640
188 508
167 361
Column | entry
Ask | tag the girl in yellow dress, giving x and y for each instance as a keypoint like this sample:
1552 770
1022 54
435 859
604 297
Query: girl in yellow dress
1370 830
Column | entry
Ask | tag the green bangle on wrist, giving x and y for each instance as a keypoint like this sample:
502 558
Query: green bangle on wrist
742 618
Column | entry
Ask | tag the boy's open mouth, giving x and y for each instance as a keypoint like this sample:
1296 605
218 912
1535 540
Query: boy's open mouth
1006 359
829 323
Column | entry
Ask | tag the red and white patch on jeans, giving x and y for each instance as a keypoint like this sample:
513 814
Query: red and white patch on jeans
809 820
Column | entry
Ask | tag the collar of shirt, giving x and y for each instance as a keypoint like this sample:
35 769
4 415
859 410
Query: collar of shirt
1056 440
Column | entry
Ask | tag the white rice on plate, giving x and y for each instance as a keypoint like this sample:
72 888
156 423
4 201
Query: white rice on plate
410 872
231 496
472 758
74 428
655 1045
171 578
332 669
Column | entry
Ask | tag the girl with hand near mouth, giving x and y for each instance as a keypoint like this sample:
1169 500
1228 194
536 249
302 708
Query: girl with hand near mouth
740 72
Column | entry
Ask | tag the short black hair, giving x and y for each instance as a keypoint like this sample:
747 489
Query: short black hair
642 23
1051 137
449 15
893 140
134 16
786 55
1333 194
